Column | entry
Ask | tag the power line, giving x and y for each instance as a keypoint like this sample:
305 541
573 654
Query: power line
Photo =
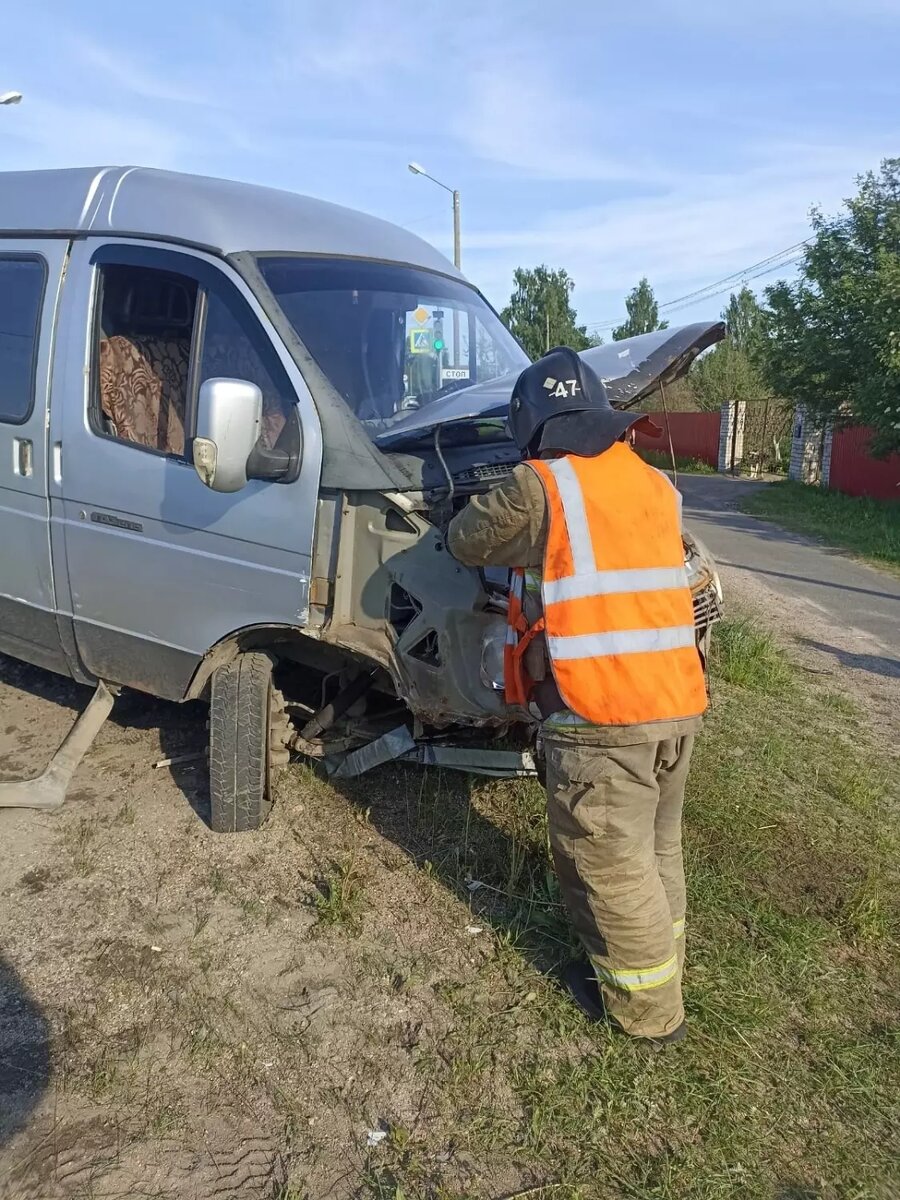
773 262
672 306
710 292
738 275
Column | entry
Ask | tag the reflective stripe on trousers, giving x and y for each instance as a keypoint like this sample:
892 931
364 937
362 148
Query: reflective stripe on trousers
641 978
644 977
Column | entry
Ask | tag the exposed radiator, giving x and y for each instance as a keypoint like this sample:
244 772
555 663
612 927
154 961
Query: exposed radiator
707 609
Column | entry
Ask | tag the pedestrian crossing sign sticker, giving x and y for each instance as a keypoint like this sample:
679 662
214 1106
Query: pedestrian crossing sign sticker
420 341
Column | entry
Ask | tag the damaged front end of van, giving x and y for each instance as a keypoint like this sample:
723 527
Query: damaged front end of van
412 374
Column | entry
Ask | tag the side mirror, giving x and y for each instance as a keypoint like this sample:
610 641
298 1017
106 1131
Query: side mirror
229 415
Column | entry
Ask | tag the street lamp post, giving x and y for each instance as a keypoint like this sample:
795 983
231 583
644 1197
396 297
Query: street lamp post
10 97
457 250
418 169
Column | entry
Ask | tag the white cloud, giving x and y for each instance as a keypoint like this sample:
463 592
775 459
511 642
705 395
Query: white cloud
124 70
767 17
49 134
348 43
537 128
700 228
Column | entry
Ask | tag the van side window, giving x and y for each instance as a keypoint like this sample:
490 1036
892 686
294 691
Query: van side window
229 353
21 294
143 353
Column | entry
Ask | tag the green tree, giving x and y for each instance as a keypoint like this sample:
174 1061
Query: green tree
643 313
743 317
725 373
540 311
731 370
832 339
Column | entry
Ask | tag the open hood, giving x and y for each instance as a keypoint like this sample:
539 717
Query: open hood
636 366
631 370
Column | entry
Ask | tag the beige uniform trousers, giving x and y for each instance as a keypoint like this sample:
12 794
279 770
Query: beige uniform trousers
615 830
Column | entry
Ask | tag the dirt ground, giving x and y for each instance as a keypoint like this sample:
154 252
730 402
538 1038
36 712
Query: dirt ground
191 1015
180 1011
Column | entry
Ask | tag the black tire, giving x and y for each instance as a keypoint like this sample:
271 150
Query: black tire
247 730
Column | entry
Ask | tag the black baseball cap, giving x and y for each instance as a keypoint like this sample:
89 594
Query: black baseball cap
560 403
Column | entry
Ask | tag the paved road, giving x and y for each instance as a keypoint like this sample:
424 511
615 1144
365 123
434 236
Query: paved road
852 596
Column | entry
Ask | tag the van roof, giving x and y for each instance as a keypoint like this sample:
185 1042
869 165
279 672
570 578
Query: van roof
218 214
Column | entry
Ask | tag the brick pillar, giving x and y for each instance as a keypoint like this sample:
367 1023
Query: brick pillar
731 434
808 445
827 442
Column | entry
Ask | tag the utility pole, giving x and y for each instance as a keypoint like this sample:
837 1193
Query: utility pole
418 169
457 262
457 250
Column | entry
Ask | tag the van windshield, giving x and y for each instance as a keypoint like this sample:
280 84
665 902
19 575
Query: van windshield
391 339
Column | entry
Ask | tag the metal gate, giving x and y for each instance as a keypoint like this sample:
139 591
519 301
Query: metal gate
763 446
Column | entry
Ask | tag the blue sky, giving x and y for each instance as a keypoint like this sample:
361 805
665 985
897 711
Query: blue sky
683 141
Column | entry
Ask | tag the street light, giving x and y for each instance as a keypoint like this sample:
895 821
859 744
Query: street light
418 169
10 97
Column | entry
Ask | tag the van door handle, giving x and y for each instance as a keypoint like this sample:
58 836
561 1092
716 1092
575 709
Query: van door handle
24 457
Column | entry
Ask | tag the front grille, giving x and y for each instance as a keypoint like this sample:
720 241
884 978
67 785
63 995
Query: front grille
707 609
484 473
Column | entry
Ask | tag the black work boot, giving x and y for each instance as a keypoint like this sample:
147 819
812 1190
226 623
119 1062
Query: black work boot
581 981
582 984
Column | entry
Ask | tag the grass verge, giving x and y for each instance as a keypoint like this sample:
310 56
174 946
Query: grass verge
870 528
745 654
663 461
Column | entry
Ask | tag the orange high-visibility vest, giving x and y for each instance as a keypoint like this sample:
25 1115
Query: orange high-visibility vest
618 613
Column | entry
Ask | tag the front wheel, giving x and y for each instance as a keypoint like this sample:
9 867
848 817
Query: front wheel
248 730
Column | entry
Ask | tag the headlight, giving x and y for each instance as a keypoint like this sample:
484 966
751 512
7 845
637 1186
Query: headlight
699 563
492 648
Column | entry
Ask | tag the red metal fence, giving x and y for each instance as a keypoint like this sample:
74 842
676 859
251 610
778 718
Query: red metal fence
856 472
694 435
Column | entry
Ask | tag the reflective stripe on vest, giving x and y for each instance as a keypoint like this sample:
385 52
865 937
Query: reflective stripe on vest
610 583
618 614
572 497
629 641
